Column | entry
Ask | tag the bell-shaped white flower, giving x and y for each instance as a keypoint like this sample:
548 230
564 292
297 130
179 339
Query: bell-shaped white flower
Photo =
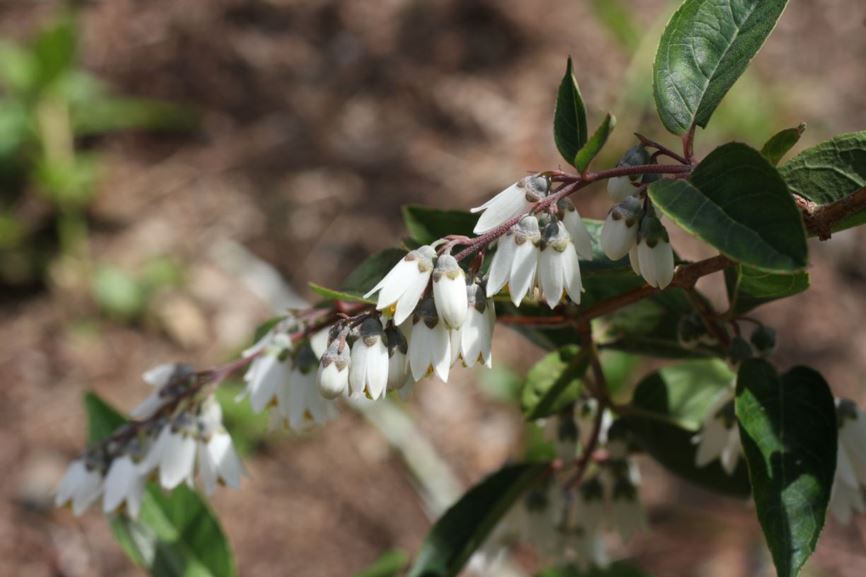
124 484
81 485
627 516
268 374
161 377
576 228
473 342
515 200
619 232
404 284
430 343
218 462
720 437
333 375
300 405
846 497
398 360
173 453
368 367
634 260
619 188
558 267
516 260
655 255
449 291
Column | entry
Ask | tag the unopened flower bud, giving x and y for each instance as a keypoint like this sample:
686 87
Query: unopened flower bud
763 338
740 350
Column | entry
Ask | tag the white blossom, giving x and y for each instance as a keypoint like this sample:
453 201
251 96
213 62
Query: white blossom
398 361
269 372
576 228
516 260
655 255
515 200
333 375
368 366
160 377
619 188
404 284
558 266
300 405
720 437
81 485
473 342
846 497
173 454
430 343
218 462
449 291
619 232
124 484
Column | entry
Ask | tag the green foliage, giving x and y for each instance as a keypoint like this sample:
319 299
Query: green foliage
464 527
426 225
781 143
593 146
705 48
738 203
749 288
372 270
569 118
789 435
390 564
554 383
337 295
176 535
618 569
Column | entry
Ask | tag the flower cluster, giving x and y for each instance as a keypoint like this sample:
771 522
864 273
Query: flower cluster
171 448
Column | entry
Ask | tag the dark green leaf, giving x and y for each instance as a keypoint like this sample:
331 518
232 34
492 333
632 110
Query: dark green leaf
749 288
617 569
175 535
593 146
336 295
372 270
569 118
738 203
426 225
464 527
829 172
55 50
553 383
789 435
111 115
704 49
781 143
390 564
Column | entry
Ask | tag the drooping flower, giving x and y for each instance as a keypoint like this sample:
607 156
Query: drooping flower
172 453
846 497
516 260
619 188
268 373
398 362
300 405
627 516
404 284
576 228
449 291
161 378
515 200
473 342
655 255
558 267
368 367
430 343
619 232
81 485
124 484
333 375
720 437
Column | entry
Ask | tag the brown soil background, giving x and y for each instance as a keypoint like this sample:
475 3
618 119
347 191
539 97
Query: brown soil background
322 117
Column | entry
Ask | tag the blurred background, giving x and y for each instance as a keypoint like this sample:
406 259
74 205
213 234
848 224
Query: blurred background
172 170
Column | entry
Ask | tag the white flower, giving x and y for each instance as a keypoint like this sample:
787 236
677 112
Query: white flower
300 405
404 284
173 453
558 267
516 260
474 341
634 260
627 516
515 200
368 367
218 462
398 362
720 437
655 255
619 188
430 343
333 375
619 232
124 483
160 377
268 373
449 291
846 497
81 485
576 229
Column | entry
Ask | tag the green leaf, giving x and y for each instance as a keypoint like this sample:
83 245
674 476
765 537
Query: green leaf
789 434
336 295
426 225
118 293
55 50
781 143
553 383
617 569
464 527
593 146
569 118
668 409
390 564
830 172
704 49
176 534
372 270
111 115
738 203
749 288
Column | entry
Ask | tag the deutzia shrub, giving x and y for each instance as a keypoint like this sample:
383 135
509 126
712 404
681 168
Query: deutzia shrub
717 413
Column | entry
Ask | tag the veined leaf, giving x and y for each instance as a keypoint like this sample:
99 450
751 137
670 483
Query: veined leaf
789 434
337 295
738 203
781 143
569 118
704 49
749 288
593 146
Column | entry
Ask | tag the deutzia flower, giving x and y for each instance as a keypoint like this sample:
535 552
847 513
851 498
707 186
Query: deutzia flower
268 373
846 497
124 483
627 516
655 256
515 200
161 378
473 342
368 367
404 284
576 229
558 267
398 363
217 460
173 453
621 187
81 485
449 291
516 260
619 232
720 437
333 375
300 405
430 343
